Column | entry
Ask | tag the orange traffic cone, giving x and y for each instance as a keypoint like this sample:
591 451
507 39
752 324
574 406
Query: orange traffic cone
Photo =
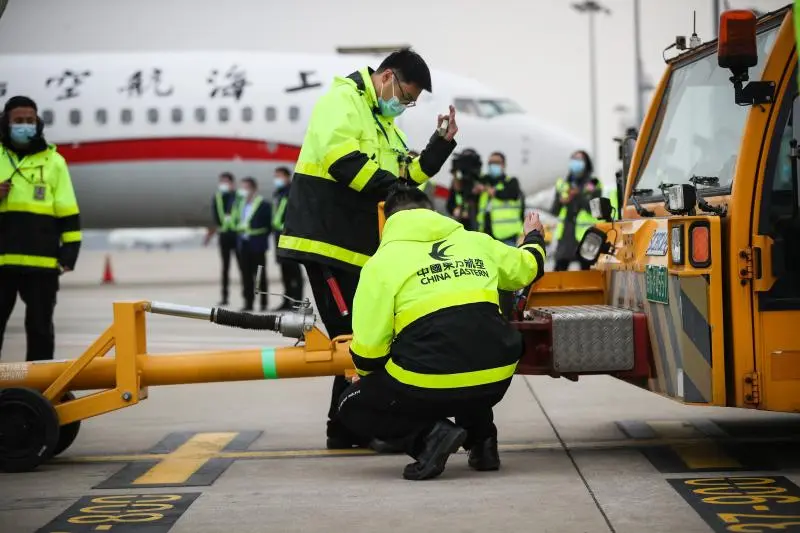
108 277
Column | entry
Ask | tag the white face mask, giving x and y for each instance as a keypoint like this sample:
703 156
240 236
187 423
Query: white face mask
244 193
224 187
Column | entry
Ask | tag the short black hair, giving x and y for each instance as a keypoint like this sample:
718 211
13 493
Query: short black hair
403 196
250 181
501 155
19 101
284 170
228 176
410 67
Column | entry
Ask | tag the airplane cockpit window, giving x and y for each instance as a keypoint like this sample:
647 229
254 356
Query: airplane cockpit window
152 115
224 114
74 116
486 107
101 116
247 114
294 113
200 114
47 117
177 114
271 114
126 116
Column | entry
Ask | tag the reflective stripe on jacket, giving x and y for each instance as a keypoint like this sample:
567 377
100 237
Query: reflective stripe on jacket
225 217
583 220
426 306
505 215
39 219
350 157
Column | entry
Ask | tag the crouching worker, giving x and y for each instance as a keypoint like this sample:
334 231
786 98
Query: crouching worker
429 341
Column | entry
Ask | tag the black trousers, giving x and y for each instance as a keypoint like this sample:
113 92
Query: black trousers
336 324
38 292
562 265
227 248
248 265
292 279
374 409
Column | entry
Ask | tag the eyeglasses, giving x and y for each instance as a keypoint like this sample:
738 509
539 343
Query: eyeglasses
406 99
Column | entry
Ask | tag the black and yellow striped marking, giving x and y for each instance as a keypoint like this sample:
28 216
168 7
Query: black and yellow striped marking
680 333
122 513
183 460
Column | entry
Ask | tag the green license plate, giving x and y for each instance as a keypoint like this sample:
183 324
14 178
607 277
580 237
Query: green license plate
657 284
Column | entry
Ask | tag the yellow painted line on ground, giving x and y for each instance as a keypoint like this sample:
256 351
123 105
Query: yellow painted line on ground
697 455
178 466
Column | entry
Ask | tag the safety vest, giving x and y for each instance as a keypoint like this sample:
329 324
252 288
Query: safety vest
279 212
243 226
426 306
39 219
350 156
227 221
583 220
505 215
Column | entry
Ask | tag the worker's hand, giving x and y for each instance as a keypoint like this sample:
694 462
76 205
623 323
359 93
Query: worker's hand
5 188
532 223
452 127
478 188
491 192
209 235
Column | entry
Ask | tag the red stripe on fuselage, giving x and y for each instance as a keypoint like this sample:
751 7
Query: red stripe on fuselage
120 151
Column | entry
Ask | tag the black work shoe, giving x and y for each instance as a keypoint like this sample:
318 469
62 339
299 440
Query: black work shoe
444 439
483 455
386 447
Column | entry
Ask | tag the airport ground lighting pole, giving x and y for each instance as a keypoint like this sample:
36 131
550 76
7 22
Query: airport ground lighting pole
592 7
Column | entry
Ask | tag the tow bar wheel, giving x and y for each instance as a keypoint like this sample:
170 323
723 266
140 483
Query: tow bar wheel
29 429
69 432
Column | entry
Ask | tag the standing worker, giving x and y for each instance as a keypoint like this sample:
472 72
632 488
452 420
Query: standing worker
253 228
501 212
290 270
40 229
571 206
352 153
427 337
223 209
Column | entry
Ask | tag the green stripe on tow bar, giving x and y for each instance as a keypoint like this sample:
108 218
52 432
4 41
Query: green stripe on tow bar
268 363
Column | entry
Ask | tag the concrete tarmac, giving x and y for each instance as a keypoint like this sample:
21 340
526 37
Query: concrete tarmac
593 456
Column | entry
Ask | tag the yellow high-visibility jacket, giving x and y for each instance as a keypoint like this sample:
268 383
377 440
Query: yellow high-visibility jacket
39 220
350 157
426 306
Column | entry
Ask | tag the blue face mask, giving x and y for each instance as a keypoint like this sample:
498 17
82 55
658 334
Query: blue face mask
23 133
391 107
577 166
495 170
279 183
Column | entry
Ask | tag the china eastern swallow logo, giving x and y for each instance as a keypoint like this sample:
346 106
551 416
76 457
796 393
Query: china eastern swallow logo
438 253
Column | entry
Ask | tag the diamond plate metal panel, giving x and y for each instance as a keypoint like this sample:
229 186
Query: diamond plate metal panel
591 338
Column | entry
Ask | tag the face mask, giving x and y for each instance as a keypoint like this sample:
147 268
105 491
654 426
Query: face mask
391 107
577 166
22 133
224 187
243 193
279 183
495 170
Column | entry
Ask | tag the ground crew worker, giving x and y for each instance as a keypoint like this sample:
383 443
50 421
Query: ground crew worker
352 153
290 270
428 340
254 217
501 212
222 207
571 206
40 230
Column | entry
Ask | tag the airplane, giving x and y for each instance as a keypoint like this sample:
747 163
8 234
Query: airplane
146 134
151 238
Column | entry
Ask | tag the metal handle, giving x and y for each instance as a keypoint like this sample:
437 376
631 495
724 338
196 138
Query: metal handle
300 305
185 311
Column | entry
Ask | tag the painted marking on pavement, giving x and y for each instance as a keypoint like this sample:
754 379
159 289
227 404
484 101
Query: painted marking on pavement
743 504
122 513
181 460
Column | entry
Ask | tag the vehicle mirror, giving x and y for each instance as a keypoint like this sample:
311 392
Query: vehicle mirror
681 198
592 245
601 208
736 48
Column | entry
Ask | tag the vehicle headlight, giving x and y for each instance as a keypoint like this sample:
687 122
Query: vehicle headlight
681 198
592 245
676 244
